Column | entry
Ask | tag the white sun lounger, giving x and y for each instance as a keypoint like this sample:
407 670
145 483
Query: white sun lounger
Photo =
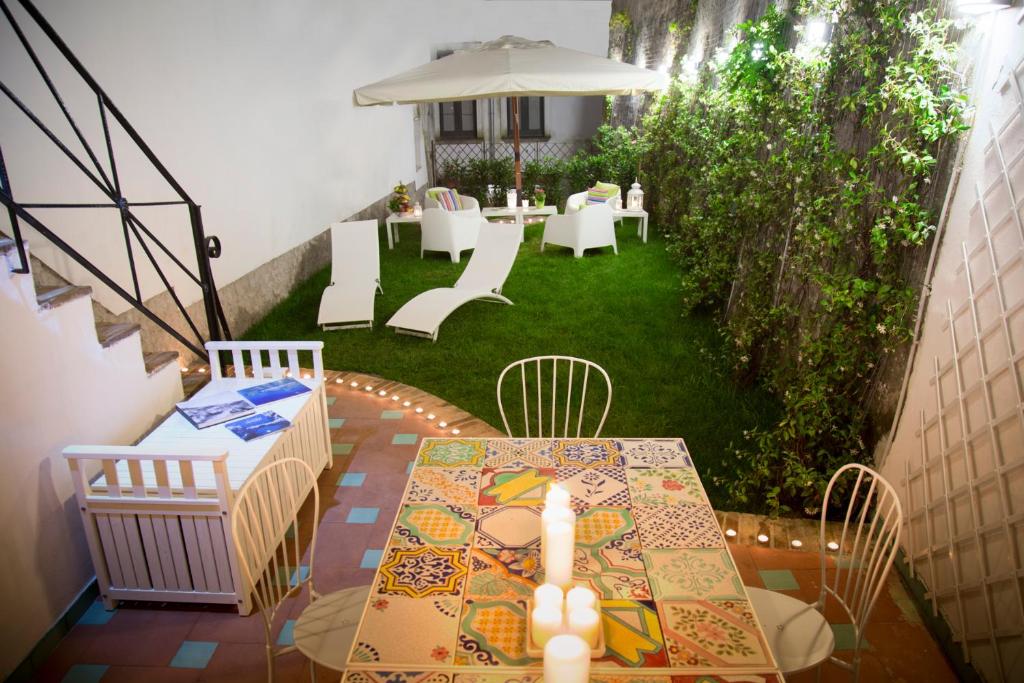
355 277
483 278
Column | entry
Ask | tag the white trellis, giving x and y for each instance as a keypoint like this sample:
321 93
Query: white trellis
964 490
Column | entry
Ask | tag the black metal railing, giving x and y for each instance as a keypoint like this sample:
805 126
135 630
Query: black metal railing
135 233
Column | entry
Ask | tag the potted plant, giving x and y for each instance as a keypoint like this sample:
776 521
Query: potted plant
399 202
538 196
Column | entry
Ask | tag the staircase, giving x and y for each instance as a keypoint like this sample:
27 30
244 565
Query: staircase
69 308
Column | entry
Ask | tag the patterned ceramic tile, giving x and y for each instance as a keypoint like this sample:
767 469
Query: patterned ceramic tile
655 453
586 452
452 453
492 633
434 524
508 527
517 453
398 677
712 633
678 526
695 574
515 487
612 574
664 486
454 485
602 526
632 634
422 572
401 630
595 486
505 574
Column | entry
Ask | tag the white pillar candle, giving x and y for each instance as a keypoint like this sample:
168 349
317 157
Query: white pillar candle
546 623
526 203
548 595
561 543
585 622
557 496
547 518
580 598
566 660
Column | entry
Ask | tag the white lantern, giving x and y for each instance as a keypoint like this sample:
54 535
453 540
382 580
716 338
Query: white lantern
635 197
511 199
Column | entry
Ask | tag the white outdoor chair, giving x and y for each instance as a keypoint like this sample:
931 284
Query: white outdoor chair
355 277
450 231
798 634
587 229
483 278
565 382
266 532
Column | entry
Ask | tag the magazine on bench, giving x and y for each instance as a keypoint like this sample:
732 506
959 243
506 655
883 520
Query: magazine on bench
207 411
260 424
279 389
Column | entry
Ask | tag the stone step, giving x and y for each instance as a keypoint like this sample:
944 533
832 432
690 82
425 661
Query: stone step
52 297
157 361
111 333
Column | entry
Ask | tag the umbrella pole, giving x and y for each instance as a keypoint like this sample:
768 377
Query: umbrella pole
515 146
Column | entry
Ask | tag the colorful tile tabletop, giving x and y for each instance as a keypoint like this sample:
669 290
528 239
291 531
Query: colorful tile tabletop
449 600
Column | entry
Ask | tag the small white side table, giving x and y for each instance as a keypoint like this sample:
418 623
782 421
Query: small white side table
641 230
519 213
391 225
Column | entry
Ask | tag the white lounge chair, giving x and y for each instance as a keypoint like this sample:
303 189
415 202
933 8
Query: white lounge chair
588 228
447 229
355 277
483 278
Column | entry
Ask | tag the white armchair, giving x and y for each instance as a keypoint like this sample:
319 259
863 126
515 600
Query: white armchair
450 231
587 229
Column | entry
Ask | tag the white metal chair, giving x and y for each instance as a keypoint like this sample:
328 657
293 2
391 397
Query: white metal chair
797 632
450 231
590 228
565 381
483 278
355 277
268 539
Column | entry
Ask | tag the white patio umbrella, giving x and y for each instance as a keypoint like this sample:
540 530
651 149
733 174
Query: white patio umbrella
511 67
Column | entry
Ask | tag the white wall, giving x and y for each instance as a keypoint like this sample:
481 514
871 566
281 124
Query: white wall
59 387
249 104
957 458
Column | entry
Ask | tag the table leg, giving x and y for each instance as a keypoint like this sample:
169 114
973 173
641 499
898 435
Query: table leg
643 222
387 231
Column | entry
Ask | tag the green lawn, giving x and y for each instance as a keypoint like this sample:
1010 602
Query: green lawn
621 312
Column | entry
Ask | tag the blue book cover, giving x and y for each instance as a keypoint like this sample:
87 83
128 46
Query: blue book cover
260 424
269 392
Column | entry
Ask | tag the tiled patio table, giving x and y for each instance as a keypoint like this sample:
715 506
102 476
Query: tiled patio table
448 602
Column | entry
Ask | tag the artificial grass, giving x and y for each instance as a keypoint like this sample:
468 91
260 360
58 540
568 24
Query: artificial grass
622 312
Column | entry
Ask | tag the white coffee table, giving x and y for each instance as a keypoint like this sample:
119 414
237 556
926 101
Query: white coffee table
391 225
641 230
519 213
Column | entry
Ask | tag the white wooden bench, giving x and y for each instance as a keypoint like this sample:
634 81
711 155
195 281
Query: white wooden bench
157 515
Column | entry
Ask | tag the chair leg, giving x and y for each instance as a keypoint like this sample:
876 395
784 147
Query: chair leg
312 671
270 664
455 256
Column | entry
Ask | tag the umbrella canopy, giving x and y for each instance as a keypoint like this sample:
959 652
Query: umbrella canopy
511 67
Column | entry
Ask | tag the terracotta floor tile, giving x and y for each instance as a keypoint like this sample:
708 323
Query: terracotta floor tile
150 674
770 558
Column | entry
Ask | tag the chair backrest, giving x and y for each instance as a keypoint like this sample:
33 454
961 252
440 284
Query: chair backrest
495 253
558 395
267 536
355 252
579 199
871 516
